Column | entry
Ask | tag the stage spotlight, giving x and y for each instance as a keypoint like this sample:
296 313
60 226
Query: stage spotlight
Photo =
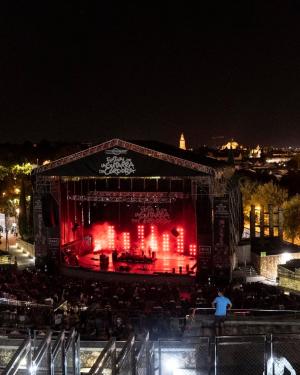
171 364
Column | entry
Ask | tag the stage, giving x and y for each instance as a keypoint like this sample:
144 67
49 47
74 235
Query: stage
142 208
171 263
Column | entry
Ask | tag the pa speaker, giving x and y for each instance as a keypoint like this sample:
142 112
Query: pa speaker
50 211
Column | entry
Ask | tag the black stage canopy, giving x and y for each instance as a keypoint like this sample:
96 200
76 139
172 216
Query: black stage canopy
118 158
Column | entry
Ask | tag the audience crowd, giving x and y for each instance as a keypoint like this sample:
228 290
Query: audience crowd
99 310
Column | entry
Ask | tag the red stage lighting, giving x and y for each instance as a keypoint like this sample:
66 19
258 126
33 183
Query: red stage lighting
141 236
166 242
111 237
153 239
126 241
180 240
193 249
98 245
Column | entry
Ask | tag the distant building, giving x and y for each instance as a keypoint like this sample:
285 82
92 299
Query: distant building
226 154
182 144
230 145
255 152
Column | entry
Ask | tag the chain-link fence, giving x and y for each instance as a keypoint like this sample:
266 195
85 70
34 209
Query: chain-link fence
240 355
233 355
284 352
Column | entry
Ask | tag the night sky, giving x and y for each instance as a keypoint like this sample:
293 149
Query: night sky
95 70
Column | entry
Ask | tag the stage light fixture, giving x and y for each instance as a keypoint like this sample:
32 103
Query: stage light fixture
180 240
111 237
166 242
141 236
193 249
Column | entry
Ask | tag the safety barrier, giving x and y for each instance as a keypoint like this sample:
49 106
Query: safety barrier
222 355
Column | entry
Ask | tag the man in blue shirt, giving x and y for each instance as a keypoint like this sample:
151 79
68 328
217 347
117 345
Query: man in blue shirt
221 304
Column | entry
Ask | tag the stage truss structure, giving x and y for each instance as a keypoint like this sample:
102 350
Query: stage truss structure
129 197
132 147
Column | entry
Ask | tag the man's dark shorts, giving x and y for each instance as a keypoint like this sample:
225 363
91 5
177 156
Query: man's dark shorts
219 319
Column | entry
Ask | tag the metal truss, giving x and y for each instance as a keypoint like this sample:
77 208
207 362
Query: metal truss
129 146
129 197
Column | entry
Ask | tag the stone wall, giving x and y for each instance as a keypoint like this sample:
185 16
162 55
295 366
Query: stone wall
267 265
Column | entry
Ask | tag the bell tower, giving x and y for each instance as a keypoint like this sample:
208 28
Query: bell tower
182 142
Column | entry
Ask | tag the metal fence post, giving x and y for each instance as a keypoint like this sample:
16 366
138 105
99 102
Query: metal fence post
159 357
50 363
63 356
29 356
133 361
74 354
216 355
113 358
268 350
147 354
77 354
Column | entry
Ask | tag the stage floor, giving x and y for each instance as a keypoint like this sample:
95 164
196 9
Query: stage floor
166 263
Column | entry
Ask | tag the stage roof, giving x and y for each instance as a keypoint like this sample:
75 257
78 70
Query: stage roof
119 158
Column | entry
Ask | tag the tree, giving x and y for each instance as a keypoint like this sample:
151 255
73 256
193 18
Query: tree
291 218
270 193
21 169
23 223
248 189
3 172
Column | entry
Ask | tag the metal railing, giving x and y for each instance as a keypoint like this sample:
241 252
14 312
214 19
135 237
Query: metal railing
24 352
106 360
221 355
145 358
244 312
36 355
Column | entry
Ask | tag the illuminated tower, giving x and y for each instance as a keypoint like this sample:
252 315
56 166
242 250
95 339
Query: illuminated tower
182 142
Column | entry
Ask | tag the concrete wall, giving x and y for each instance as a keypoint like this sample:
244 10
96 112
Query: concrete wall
289 279
243 253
